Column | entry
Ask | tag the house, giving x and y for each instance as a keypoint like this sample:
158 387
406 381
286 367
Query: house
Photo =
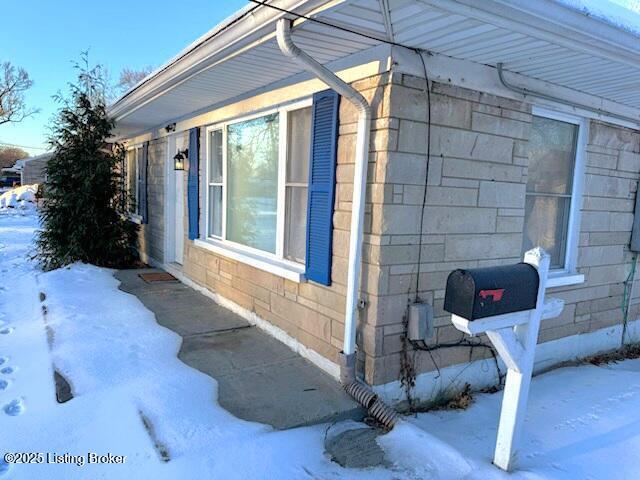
297 198
33 169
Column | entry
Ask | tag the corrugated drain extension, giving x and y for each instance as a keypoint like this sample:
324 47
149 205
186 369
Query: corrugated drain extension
362 394
383 413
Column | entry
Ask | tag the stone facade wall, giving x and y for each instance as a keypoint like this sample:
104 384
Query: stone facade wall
611 179
151 237
312 314
474 215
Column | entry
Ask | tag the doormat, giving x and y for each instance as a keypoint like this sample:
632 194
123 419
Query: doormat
153 277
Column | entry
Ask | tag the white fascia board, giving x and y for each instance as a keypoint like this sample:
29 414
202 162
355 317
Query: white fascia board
550 21
251 26
484 78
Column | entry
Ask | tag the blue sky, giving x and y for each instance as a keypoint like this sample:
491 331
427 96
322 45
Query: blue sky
47 36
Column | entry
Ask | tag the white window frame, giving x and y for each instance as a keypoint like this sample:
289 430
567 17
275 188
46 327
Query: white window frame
135 217
209 184
568 275
271 262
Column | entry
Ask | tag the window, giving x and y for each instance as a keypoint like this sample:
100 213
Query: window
552 196
215 184
252 182
256 177
298 147
132 178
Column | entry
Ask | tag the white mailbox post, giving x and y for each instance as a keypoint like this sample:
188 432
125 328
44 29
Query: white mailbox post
514 336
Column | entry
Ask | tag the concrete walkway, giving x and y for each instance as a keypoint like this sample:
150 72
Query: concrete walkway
259 378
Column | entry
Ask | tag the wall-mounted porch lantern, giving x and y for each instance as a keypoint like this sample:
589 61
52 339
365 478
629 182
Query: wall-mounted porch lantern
180 158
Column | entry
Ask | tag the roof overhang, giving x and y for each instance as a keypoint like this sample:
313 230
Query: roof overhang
542 40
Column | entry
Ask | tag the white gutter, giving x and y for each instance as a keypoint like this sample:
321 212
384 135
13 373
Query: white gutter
359 178
556 99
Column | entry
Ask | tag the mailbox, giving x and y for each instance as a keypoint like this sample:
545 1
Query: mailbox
485 292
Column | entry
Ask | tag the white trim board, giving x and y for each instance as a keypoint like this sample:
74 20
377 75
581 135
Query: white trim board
279 267
314 357
482 373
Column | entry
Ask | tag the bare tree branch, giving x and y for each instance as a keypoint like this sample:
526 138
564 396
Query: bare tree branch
13 83
129 78
9 155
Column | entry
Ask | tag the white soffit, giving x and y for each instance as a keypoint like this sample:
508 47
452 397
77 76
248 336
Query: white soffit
562 60
251 68
539 39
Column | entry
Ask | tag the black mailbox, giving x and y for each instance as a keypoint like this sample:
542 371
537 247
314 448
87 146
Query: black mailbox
485 292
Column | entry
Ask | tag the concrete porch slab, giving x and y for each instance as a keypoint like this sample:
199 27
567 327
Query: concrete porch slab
259 378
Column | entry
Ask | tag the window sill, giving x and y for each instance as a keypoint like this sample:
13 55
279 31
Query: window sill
283 269
564 280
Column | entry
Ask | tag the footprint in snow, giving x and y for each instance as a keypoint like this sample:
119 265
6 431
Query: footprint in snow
8 370
4 384
4 467
6 331
3 360
14 407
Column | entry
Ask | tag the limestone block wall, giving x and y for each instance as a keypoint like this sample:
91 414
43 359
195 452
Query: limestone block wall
474 216
610 184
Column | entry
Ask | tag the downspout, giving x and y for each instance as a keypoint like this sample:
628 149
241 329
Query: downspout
356 389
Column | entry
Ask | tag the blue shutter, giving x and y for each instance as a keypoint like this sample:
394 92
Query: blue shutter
193 182
322 183
142 181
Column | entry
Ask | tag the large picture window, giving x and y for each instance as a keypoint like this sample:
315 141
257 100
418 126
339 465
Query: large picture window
256 177
551 196
252 182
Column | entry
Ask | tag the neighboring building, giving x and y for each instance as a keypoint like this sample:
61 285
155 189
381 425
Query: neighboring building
33 169
550 156
9 176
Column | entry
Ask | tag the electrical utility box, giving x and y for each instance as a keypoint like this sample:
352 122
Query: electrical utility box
485 292
420 322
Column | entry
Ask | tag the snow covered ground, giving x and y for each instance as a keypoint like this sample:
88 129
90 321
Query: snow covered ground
583 423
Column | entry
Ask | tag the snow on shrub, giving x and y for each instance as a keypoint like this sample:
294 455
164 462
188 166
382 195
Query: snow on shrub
21 198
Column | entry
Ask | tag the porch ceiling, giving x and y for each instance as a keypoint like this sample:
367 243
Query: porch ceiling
542 40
